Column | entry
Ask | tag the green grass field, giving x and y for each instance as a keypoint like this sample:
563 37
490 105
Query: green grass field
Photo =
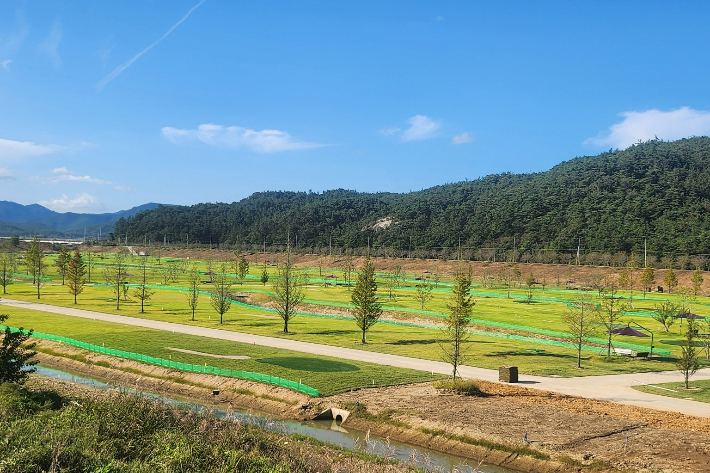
328 375
700 390
493 307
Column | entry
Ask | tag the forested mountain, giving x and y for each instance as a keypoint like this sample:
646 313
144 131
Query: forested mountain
36 219
606 203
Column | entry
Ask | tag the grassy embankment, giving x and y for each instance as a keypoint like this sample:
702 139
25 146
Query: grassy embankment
43 431
493 306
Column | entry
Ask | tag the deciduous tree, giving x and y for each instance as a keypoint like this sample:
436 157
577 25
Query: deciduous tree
423 293
221 295
8 265
193 290
143 292
610 311
580 320
116 276
665 313
689 362
289 290
264 275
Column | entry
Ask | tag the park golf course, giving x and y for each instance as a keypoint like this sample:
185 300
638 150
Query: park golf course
507 330
513 324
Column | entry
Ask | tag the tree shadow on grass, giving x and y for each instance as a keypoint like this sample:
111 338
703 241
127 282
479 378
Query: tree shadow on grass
521 353
334 332
310 364
412 342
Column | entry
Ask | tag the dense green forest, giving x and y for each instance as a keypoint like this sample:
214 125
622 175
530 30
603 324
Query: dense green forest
605 204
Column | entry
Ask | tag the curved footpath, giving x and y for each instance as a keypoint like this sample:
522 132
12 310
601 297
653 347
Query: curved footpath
615 388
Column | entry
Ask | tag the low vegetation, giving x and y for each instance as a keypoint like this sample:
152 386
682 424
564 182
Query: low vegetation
43 431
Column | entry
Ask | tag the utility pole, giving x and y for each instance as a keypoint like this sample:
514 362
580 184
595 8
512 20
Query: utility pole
645 261
579 243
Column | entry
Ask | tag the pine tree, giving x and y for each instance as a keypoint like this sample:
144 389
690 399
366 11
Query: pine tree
364 298
670 279
648 279
242 269
62 262
16 355
697 280
75 274
455 331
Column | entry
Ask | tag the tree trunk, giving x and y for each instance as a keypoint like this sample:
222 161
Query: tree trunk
363 337
286 324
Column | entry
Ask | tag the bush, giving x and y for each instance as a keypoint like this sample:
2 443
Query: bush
466 388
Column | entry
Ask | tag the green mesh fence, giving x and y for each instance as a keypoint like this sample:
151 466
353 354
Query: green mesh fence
205 369
483 333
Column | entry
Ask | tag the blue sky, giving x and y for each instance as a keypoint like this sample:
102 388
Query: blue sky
106 105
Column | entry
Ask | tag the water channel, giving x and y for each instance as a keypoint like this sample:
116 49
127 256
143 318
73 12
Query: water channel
325 431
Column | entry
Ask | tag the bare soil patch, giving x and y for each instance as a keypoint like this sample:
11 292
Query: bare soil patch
625 437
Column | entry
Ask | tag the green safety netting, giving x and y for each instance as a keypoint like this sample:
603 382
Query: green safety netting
248 375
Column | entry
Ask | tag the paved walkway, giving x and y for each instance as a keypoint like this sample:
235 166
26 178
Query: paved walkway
616 388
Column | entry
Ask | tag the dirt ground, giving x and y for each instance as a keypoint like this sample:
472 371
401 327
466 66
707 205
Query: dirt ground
627 437
551 274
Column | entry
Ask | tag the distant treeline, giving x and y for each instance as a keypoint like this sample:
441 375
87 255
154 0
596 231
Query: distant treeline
607 205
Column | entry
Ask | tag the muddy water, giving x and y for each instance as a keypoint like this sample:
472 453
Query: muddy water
325 431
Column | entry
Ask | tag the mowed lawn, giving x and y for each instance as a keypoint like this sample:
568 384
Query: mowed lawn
699 390
492 305
328 375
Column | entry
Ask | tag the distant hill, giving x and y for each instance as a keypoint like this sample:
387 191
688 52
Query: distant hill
607 203
35 219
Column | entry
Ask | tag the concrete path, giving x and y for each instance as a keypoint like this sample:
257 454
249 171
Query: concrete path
616 388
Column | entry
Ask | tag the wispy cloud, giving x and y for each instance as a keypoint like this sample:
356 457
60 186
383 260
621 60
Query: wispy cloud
49 46
646 125
64 175
264 141
389 131
81 203
421 128
10 149
116 72
10 43
6 64
6 174
462 139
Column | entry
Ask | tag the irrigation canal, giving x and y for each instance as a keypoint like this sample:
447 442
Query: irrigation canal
324 431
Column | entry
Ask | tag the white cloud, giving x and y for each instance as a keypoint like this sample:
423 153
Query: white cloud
646 125
6 174
81 203
264 141
421 128
6 64
64 175
116 72
49 46
462 139
22 149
